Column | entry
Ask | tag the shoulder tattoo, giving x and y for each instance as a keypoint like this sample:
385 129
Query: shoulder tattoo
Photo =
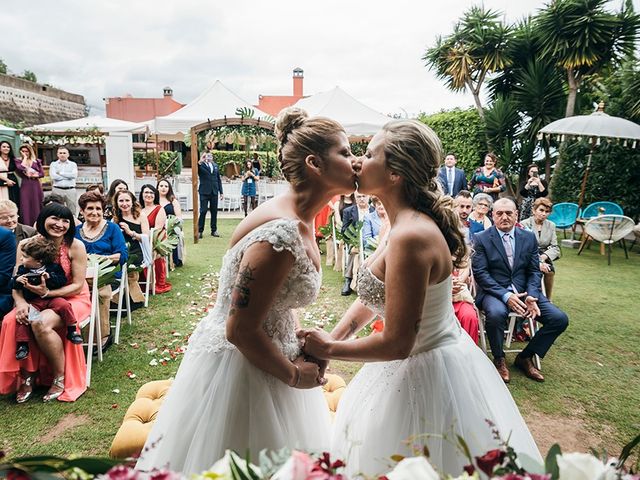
241 291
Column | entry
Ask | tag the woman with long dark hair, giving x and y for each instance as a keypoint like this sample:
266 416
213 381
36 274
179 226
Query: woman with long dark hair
30 171
9 188
171 206
157 218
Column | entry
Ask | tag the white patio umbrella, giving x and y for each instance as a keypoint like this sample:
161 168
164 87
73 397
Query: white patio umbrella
594 127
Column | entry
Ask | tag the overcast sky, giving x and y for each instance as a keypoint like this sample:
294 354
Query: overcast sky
372 49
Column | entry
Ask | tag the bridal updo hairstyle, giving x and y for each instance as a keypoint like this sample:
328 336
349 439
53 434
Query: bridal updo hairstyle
299 136
413 151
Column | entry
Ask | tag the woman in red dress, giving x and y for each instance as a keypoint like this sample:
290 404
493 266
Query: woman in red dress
151 208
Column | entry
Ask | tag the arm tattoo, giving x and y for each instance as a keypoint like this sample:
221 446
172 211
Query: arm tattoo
241 292
353 326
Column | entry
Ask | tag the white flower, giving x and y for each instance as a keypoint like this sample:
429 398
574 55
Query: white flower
413 468
580 466
222 468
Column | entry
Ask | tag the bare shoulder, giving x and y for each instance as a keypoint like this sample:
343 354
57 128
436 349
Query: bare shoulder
77 248
274 209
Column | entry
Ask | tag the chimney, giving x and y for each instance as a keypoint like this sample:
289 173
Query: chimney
298 77
167 92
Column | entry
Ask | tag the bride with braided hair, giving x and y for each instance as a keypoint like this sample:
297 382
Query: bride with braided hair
425 381
243 383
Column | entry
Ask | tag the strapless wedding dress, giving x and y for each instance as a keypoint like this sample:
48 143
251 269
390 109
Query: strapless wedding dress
446 387
218 399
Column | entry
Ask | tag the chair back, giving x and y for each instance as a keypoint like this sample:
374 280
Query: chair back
595 209
609 228
564 215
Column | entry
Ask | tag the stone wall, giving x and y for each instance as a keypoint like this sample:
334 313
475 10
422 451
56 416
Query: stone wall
33 104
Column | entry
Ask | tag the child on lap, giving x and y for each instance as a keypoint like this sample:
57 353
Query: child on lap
38 262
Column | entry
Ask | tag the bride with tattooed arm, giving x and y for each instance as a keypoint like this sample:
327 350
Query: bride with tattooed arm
243 384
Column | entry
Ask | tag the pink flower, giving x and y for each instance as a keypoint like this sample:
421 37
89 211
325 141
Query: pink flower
121 472
164 475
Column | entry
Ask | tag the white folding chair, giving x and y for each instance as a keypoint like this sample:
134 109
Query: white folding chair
123 295
146 243
92 274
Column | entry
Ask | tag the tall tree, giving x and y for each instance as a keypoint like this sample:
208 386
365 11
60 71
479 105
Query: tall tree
582 38
477 47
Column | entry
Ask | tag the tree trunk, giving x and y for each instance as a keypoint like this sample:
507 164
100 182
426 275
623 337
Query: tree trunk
547 166
476 98
573 93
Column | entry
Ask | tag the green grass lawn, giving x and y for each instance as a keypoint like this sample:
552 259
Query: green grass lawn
593 371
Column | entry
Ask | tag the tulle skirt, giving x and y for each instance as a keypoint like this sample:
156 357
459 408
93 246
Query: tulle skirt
220 401
427 399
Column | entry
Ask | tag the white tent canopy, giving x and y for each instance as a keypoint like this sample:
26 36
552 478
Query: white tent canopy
102 124
357 118
214 103
4 128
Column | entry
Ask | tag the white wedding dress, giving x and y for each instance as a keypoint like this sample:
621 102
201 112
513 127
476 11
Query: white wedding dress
446 387
218 399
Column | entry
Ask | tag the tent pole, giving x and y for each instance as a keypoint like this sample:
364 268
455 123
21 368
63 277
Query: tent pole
194 183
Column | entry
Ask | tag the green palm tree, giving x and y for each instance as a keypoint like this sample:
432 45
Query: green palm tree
477 47
582 38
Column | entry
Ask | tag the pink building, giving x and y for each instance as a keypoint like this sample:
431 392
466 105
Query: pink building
142 109
272 104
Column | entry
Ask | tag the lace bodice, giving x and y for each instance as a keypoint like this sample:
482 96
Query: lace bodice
300 289
438 324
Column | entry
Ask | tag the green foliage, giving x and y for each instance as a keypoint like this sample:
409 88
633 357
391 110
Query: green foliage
618 89
240 136
163 244
106 269
168 163
269 161
614 175
29 75
351 235
3 67
358 148
461 133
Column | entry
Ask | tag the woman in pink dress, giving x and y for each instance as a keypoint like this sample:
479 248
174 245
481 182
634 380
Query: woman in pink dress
53 360
30 171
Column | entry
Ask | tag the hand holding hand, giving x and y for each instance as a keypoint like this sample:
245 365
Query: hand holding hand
22 279
515 303
309 373
545 267
457 286
317 343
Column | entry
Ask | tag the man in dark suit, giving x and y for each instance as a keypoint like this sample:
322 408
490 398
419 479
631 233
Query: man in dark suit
506 268
7 262
451 178
351 216
209 189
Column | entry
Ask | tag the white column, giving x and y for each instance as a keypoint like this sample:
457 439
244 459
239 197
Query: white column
119 153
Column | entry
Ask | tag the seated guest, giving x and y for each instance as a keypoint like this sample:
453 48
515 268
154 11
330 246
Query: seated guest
171 206
463 302
126 214
94 187
479 218
53 359
103 238
507 274
116 186
38 266
9 219
463 206
545 232
351 216
376 224
7 262
157 218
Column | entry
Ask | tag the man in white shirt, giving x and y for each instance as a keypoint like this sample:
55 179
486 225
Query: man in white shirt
351 216
451 178
63 173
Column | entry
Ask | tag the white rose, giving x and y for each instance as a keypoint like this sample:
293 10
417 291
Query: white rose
413 468
580 466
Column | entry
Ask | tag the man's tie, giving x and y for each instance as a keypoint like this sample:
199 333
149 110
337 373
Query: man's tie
506 241
450 175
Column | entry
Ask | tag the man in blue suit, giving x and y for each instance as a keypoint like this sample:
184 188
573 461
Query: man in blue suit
451 178
351 216
7 262
506 268
209 189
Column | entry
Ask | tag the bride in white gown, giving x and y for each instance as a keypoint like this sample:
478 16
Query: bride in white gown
243 383
425 381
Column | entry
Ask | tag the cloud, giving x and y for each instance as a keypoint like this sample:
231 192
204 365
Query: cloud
372 49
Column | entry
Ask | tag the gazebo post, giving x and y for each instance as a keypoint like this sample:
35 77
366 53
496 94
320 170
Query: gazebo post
194 183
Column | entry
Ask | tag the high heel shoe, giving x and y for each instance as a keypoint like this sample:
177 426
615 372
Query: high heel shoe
22 396
58 384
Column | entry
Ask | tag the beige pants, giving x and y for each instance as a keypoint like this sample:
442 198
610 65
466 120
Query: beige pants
135 292
337 266
328 242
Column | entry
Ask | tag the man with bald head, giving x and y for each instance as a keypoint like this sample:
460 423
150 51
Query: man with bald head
506 268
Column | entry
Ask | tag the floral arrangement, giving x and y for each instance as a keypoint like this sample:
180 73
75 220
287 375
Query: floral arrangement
499 464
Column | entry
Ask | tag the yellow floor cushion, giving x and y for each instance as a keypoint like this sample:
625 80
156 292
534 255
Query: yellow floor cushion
141 414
